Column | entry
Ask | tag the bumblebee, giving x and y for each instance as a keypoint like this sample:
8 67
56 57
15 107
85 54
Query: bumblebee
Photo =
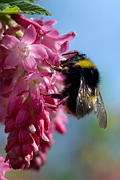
81 87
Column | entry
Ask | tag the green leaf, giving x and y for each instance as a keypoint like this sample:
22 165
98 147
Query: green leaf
4 6
21 6
11 10
14 1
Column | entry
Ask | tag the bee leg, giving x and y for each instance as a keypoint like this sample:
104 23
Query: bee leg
56 96
53 67
61 101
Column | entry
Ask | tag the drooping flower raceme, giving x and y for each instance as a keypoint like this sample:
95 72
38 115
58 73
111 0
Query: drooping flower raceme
29 115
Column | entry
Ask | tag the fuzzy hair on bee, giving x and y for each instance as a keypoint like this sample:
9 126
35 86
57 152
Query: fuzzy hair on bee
81 87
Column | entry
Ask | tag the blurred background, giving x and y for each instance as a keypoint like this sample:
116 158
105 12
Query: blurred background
87 152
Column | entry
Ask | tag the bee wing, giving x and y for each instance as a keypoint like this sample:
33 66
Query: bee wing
99 109
84 103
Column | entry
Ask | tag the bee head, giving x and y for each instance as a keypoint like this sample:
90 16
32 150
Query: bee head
73 58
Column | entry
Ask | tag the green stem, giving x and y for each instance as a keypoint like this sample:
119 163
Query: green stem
6 20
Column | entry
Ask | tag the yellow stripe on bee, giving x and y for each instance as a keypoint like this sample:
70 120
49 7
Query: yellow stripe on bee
86 63
93 99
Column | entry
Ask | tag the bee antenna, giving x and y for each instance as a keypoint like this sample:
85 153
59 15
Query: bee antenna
85 54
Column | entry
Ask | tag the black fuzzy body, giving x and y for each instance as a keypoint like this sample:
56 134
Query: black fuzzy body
73 76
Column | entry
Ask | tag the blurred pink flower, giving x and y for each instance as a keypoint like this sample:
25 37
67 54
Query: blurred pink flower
38 160
4 167
59 121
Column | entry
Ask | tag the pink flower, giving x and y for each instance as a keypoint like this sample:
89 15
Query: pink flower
38 160
58 44
4 167
27 130
30 114
49 36
3 104
23 52
24 22
59 121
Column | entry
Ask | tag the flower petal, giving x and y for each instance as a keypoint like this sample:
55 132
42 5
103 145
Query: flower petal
47 25
30 35
54 42
24 22
54 33
45 138
4 166
11 61
30 64
64 47
22 115
66 37
12 30
37 51
50 42
50 23
10 41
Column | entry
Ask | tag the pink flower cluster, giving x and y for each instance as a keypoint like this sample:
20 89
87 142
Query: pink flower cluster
29 116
